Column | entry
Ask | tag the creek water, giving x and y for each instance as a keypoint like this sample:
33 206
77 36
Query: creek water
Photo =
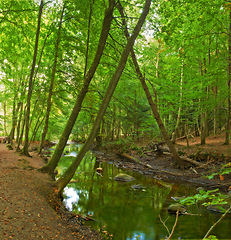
124 213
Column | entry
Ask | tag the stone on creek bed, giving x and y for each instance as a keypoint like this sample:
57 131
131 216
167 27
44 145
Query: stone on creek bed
124 177
137 186
173 208
219 208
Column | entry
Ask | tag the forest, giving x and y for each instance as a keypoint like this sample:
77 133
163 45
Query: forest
59 60
111 71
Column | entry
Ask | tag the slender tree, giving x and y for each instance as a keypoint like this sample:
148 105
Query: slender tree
69 173
50 167
227 133
30 87
52 82
152 104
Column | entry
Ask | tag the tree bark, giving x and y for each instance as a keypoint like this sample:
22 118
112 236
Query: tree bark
19 121
4 110
30 88
50 167
181 100
67 176
153 105
14 118
51 84
22 131
88 38
227 133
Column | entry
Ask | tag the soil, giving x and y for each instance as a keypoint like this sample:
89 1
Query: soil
28 209
156 164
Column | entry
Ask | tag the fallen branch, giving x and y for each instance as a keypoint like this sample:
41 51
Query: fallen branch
174 226
173 229
130 158
125 155
183 137
163 222
187 160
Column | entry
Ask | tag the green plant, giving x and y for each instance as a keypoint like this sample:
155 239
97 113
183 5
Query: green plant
212 196
212 237
225 169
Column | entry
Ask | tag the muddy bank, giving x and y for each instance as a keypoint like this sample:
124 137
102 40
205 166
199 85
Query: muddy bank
161 166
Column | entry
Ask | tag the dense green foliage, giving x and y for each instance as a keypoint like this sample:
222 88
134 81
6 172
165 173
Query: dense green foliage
183 51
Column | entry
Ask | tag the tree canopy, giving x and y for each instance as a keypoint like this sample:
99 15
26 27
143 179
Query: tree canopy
183 52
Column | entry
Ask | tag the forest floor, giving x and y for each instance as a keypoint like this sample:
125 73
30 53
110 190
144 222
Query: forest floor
213 156
26 202
28 209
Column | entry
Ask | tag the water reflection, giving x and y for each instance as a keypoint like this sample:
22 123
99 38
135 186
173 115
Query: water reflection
71 197
128 213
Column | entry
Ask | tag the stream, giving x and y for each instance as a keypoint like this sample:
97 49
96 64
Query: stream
123 212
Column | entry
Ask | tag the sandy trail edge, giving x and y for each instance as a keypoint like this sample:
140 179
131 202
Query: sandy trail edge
25 212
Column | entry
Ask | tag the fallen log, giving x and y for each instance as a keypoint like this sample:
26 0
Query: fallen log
125 155
187 160
130 158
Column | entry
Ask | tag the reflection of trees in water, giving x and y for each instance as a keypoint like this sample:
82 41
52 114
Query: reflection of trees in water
126 212
123 210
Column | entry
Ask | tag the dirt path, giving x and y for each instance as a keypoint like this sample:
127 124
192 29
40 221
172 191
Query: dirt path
24 209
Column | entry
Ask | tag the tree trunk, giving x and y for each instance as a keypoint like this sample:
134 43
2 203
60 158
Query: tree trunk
203 128
37 126
4 110
67 176
153 105
180 106
227 133
19 121
22 131
14 118
88 38
204 111
51 85
30 88
50 167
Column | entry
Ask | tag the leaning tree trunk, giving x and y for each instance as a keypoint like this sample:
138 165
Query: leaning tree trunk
51 85
69 173
153 105
30 88
88 38
180 104
50 167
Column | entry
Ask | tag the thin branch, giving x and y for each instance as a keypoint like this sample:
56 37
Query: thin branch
122 45
215 224
154 90
163 222
173 229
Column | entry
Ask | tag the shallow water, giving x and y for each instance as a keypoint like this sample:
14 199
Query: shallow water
128 214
